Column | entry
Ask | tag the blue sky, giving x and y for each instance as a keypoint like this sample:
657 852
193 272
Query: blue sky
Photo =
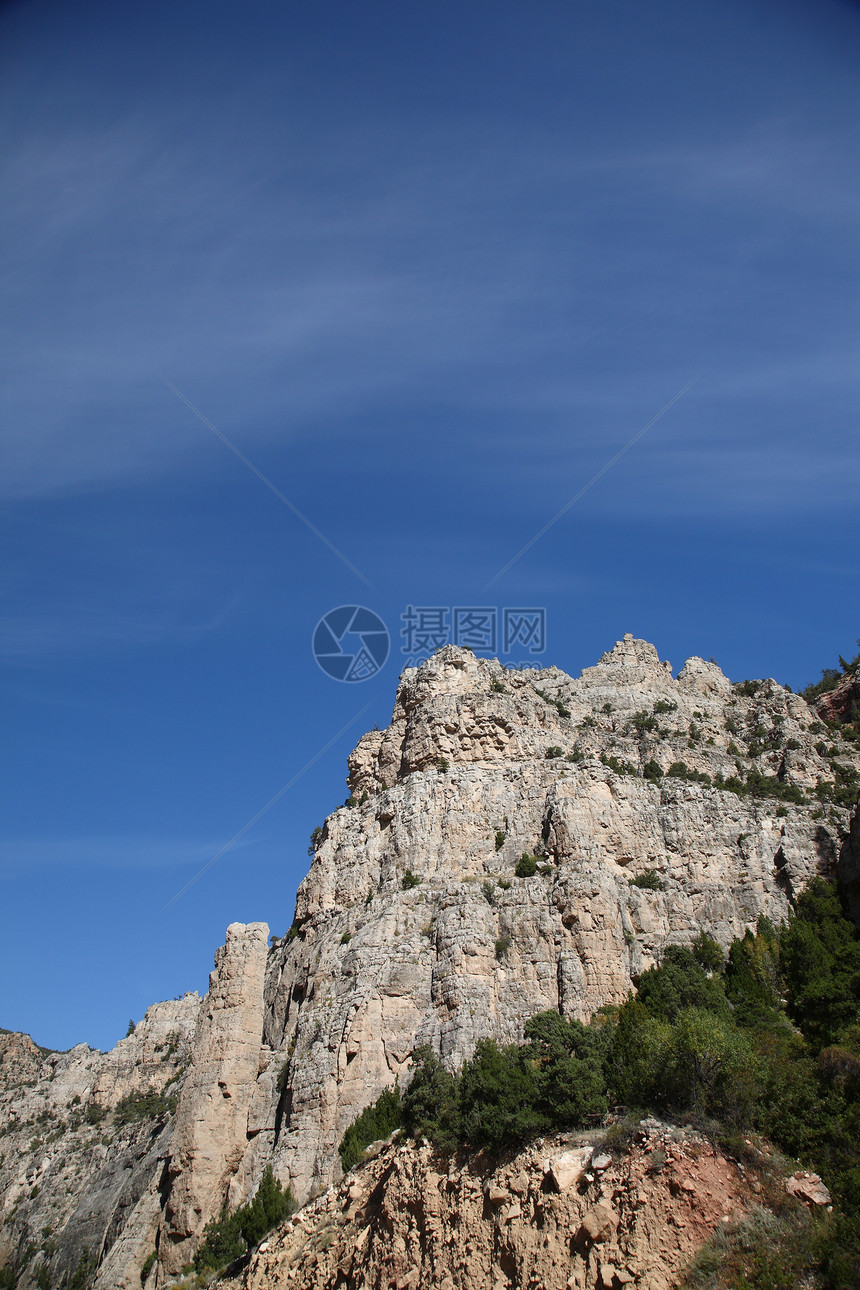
429 267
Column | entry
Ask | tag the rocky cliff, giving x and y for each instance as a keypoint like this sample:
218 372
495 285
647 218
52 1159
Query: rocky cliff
649 807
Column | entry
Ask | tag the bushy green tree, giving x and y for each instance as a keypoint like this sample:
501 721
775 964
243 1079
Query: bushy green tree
227 1237
568 1059
379 1120
711 1068
222 1242
498 1098
820 962
679 982
707 952
636 1059
753 981
272 1203
430 1103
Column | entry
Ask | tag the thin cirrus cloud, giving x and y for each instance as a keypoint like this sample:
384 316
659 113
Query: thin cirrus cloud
490 278
112 852
79 628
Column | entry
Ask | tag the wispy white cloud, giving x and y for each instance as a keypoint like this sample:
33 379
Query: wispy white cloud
285 291
71 628
114 852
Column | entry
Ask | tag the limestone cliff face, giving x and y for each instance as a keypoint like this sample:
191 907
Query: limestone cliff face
212 1131
75 1185
412 927
478 766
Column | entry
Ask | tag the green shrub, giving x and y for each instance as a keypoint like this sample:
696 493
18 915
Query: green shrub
643 722
554 703
820 964
761 1251
707 952
678 983
379 1120
620 767
830 678
498 1098
554 751
500 838
430 1106
503 944
649 880
409 880
148 1105
526 866
651 770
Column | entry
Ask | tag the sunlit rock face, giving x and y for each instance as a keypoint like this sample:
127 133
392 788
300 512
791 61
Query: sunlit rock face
478 766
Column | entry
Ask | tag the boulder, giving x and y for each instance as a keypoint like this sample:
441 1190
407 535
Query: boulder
809 1188
567 1167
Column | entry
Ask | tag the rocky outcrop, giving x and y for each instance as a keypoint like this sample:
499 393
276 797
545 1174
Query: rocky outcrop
842 703
212 1129
411 926
82 1153
651 807
565 1214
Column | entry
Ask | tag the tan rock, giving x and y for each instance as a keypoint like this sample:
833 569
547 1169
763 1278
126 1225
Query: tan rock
211 1131
466 1243
808 1187
598 1225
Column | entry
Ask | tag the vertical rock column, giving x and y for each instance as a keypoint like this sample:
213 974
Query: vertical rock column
210 1134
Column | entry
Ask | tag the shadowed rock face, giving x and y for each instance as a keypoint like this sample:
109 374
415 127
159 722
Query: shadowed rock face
838 704
411 926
